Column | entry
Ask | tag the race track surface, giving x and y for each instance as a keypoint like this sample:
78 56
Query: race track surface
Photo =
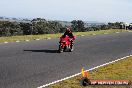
35 63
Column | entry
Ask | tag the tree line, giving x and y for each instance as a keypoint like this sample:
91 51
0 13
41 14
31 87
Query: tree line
42 26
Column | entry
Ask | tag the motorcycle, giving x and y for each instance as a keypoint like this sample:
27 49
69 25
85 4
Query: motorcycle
66 44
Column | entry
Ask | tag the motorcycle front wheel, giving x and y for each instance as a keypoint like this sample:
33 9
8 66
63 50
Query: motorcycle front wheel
72 48
60 49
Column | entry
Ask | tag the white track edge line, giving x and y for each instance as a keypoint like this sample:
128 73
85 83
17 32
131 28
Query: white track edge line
5 42
85 70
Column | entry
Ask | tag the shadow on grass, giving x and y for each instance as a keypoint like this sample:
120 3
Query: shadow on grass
45 51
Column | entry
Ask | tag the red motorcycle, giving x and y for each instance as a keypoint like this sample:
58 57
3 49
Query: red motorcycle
66 44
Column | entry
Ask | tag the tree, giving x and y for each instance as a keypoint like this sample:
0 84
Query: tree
10 28
104 27
78 25
26 28
41 26
74 25
115 25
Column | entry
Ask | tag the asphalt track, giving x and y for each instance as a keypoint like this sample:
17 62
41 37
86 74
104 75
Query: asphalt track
35 63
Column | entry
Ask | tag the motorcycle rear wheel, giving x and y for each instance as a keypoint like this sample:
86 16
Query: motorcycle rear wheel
85 81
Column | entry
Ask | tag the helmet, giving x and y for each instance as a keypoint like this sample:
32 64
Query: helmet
68 29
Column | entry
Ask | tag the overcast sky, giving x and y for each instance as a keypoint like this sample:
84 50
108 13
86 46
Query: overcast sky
86 10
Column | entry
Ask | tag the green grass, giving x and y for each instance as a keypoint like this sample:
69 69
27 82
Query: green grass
119 70
44 36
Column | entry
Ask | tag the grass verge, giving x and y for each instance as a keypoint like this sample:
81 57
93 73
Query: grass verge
45 36
118 70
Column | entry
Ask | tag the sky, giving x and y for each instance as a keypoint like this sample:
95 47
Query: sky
68 10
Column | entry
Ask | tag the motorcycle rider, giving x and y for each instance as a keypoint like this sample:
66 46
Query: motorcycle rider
69 33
